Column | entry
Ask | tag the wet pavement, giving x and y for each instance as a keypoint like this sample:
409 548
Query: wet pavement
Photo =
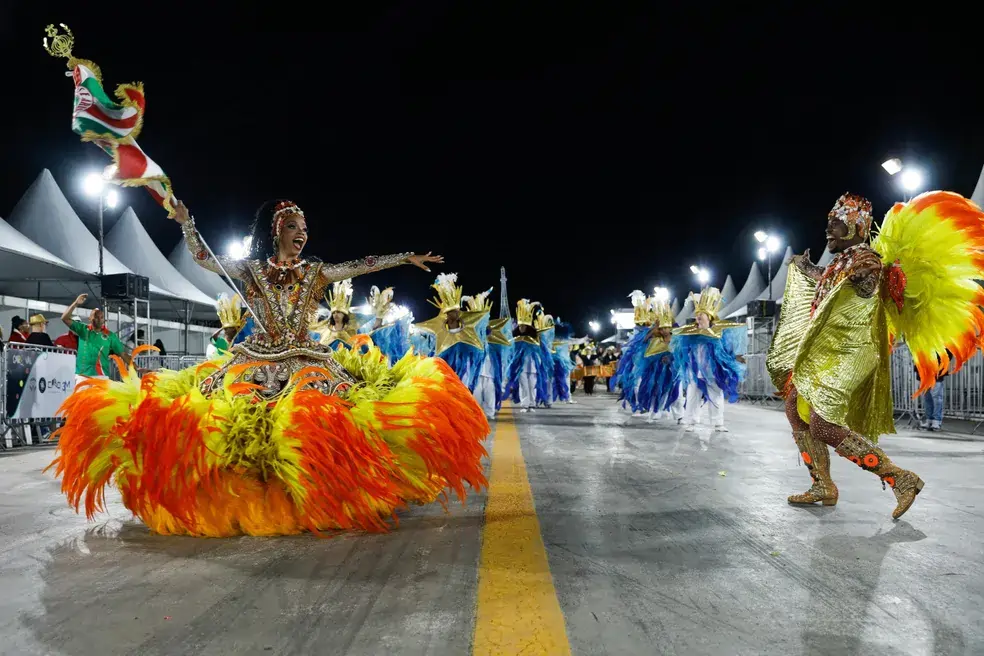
658 541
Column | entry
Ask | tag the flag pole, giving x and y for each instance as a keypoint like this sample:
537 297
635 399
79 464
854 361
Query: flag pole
229 280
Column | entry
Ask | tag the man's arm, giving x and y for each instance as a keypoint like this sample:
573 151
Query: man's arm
866 274
66 316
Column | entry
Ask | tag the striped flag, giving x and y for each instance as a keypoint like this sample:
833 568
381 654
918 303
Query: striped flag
111 124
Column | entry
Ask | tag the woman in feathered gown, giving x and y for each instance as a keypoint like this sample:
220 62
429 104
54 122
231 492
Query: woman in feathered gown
283 435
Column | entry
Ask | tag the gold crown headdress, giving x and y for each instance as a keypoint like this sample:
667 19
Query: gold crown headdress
662 312
380 301
543 322
641 314
478 302
708 302
448 292
524 311
340 296
853 211
230 311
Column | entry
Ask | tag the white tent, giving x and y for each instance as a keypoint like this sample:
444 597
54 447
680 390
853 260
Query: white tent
778 283
687 313
29 271
137 251
210 283
826 258
754 284
44 215
728 292
978 195
675 307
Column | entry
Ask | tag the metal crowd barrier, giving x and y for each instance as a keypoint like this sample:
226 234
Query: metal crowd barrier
963 396
16 361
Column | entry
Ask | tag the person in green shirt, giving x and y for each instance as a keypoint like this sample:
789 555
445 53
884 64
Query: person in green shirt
96 343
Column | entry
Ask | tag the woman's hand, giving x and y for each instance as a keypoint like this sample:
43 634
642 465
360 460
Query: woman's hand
180 212
421 261
802 261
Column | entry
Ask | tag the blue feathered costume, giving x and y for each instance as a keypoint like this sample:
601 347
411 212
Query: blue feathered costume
499 348
563 365
530 373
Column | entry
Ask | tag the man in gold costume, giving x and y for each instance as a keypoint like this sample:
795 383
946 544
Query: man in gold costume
830 358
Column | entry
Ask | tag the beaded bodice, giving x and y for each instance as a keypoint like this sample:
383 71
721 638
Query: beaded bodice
285 297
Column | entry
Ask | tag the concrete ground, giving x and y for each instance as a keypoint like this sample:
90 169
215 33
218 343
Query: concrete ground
658 542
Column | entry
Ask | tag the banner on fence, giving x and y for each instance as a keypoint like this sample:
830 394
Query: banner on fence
38 382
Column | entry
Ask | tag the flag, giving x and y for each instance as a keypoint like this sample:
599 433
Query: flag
113 125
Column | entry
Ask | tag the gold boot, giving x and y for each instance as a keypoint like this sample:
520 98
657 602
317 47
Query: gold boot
817 459
866 455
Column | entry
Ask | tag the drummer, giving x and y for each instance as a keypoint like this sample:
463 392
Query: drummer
589 360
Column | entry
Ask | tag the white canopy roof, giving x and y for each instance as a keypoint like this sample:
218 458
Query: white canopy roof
754 284
778 283
978 195
728 292
29 271
210 283
137 251
44 215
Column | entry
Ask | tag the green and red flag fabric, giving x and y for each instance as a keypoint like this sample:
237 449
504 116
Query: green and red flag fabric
113 125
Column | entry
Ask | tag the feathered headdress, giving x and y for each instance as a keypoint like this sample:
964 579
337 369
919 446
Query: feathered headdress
478 302
524 311
340 296
708 302
640 304
448 292
230 311
662 312
543 322
380 301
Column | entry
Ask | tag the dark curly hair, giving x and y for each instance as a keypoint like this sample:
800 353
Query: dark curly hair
261 236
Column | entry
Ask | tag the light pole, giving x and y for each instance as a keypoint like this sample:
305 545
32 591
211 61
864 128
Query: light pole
770 244
95 185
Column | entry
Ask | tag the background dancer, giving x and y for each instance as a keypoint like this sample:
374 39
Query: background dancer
459 334
389 329
707 359
563 364
528 374
659 387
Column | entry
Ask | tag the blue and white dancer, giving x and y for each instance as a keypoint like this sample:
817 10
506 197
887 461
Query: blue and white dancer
499 349
628 373
563 364
660 391
459 335
529 374
708 359
545 330
486 384
389 328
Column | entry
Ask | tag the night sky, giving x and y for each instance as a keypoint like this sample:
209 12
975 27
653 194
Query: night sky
590 151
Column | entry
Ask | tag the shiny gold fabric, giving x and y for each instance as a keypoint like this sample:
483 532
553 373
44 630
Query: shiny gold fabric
446 339
842 368
656 346
794 320
497 336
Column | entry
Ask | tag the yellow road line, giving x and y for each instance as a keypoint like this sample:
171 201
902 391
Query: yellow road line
518 611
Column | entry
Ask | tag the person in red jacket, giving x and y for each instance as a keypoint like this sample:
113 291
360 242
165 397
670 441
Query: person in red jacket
69 340
18 330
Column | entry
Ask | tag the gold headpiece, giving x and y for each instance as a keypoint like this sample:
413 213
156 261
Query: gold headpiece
854 212
543 322
708 302
662 312
641 314
284 209
230 311
448 292
380 301
340 296
478 302
524 311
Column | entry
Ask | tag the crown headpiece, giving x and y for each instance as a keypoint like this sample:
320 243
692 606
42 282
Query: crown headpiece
543 322
524 311
281 212
641 314
230 311
662 312
708 302
340 296
448 292
380 301
478 302
854 212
